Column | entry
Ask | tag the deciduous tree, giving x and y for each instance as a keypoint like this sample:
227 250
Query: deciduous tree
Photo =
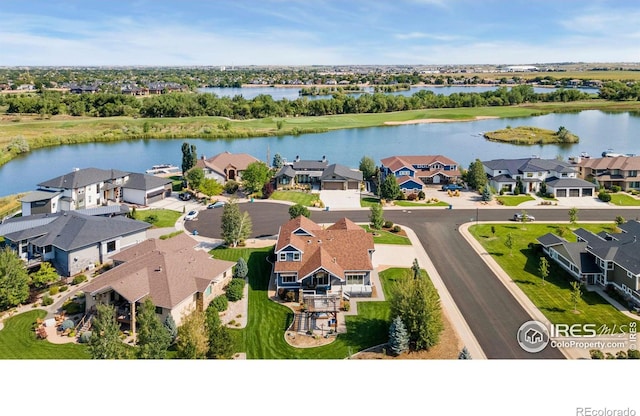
476 176
195 178
543 268
210 187
573 215
14 280
389 189
105 343
45 275
256 176
576 293
236 226
297 210
376 217
192 342
368 167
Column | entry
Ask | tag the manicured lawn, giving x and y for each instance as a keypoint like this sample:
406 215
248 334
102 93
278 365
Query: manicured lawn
368 202
624 200
387 237
18 341
552 297
420 204
514 200
303 198
165 217
263 337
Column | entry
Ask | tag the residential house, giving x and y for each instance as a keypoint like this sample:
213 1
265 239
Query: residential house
561 178
225 166
92 187
177 278
318 174
73 242
413 172
619 171
600 259
313 259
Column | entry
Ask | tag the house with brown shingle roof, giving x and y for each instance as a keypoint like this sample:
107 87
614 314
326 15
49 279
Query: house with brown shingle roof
175 276
225 166
413 172
620 171
324 260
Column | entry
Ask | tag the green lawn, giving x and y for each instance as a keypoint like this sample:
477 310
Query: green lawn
387 237
303 198
553 296
18 341
267 321
624 200
165 217
514 200
368 202
420 204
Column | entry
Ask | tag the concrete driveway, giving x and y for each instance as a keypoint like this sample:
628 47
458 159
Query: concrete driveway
349 199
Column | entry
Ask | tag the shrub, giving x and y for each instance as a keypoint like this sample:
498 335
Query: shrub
620 220
596 355
615 188
235 289
84 337
231 187
388 224
47 300
220 303
64 288
53 290
604 196
396 228
421 195
73 308
621 355
151 219
633 354
412 197
79 279
345 305
290 296
67 324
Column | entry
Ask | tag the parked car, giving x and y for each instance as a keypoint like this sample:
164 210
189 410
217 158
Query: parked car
452 187
520 217
191 215
185 196
218 204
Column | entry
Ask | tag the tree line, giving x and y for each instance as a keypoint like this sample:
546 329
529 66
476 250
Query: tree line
263 106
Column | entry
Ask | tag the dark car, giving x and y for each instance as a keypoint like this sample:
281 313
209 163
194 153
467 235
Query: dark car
185 196
452 187
218 204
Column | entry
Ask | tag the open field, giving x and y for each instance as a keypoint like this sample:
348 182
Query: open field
553 296
56 130
570 74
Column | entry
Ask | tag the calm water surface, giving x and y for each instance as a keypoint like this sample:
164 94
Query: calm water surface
461 141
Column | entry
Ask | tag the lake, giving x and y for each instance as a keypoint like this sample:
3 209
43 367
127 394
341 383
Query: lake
291 93
460 141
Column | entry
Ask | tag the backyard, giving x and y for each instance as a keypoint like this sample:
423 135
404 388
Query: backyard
553 296
159 218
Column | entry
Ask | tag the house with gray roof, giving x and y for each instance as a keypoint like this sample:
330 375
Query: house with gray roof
604 259
318 174
619 171
92 187
560 178
71 241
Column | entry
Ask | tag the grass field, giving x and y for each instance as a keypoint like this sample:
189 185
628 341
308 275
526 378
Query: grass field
56 130
624 200
514 200
529 135
18 341
165 217
552 297
368 202
303 198
386 237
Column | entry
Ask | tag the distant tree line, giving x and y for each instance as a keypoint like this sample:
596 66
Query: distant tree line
620 91
262 106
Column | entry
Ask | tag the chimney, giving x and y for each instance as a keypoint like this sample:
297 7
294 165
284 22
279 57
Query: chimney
324 158
297 158
159 269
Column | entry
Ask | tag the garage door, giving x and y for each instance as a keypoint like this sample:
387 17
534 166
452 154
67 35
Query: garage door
561 193
587 191
353 185
574 192
332 186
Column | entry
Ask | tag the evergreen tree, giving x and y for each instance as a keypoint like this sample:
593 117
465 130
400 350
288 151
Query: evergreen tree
375 216
415 267
398 337
195 178
417 303
277 161
220 341
573 215
171 328
105 343
186 158
193 156
14 279
390 188
486 193
192 342
242 269
464 354
153 338
543 268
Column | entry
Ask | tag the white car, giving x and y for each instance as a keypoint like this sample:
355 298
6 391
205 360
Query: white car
191 215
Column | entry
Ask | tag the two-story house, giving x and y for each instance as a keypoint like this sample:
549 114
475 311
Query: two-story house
318 260
619 171
600 259
561 178
413 172
225 166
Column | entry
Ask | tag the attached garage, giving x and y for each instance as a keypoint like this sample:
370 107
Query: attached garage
339 178
561 193
574 193
587 191
570 187
332 186
353 185
155 196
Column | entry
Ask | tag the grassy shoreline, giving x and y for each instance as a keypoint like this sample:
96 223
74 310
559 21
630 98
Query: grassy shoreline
526 135
61 130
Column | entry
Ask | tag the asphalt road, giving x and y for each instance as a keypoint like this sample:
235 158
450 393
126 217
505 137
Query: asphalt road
491 312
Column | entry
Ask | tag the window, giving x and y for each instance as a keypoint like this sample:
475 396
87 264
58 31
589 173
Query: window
282 257
207 291
288 278
48 249
321 278
633 173
529 174
630 275
111 246
158 310
296 256
355 279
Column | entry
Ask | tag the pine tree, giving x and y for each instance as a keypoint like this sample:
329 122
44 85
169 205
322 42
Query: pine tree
398 337
464 354
415 267
390 188
486 193
105 343
171 328
153 338
242 269
277 161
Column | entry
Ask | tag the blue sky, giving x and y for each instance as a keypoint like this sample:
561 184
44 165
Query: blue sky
317 32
